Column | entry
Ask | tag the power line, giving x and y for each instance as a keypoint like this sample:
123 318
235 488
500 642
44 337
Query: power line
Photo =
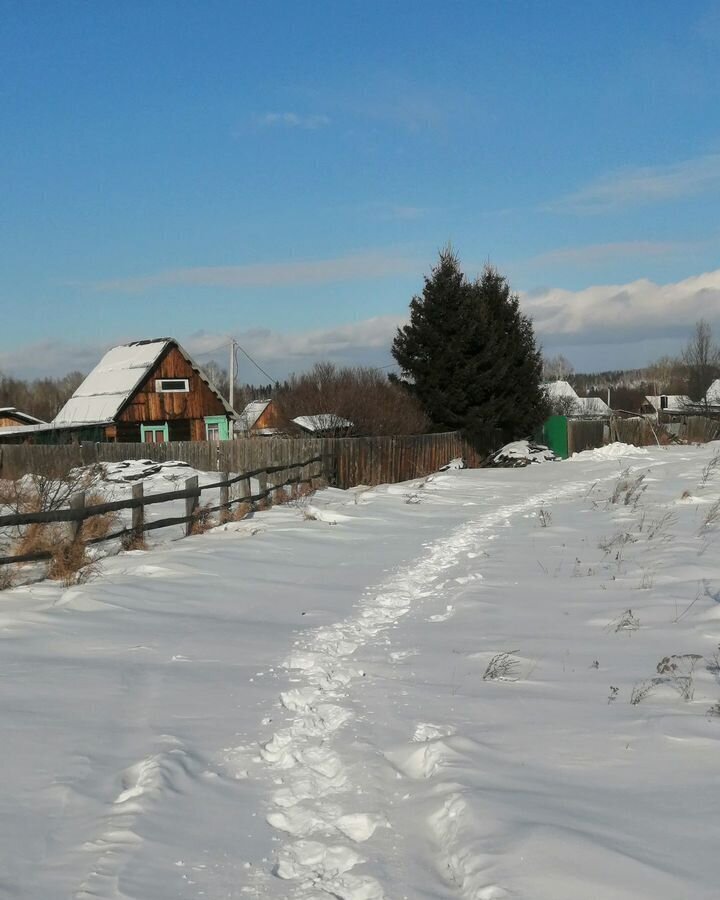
210 352
257 365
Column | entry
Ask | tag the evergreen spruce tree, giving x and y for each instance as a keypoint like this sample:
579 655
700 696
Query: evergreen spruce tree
469 355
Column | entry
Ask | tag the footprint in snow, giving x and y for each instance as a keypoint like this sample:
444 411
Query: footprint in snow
442 617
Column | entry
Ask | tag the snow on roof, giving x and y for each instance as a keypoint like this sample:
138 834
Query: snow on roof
114 379
592 406
11 411
675 403
555 389
252 412
713 392
322 422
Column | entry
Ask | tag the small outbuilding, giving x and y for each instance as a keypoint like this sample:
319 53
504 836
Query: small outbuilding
260 417
11 418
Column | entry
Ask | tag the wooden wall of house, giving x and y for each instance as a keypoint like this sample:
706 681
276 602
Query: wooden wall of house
147 405
270 418
10 421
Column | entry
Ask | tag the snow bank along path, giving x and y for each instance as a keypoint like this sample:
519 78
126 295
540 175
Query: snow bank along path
315 794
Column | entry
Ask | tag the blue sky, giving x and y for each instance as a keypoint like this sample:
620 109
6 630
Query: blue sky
286 172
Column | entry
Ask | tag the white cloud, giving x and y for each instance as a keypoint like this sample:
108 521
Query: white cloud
591 254
366 342
639 315
293 120
644 185
624 313
361 266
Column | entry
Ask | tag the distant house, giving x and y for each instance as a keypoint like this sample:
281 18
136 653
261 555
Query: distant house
665 408
11 418
323 424
147 391
261 417
565 401
712 396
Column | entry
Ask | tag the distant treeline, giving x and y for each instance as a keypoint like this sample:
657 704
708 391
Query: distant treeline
42 398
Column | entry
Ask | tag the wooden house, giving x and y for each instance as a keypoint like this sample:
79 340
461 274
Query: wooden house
150 391
12 418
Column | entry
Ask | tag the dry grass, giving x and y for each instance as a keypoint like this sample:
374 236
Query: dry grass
70 563
239 511
7 577
134 541
98 526
202 520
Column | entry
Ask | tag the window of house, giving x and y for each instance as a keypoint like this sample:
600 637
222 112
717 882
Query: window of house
154 434
216 428
172 385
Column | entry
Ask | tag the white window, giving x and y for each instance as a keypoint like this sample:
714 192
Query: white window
172 385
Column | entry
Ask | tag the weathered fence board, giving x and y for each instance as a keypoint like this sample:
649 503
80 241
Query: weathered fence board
345 461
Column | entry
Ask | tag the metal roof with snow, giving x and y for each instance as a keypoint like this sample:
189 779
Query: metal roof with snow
555 389
322 422
26 418
675 403
115 379
592 407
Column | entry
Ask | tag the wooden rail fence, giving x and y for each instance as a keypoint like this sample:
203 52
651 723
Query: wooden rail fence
270 480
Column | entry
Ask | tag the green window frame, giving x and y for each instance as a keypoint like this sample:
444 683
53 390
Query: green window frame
153 429
222 426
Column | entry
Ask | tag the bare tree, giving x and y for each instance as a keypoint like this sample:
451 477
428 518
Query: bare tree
702 358
564 405
365 397
557 368
667 375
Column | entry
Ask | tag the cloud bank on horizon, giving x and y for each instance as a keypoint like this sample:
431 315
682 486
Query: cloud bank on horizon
594 317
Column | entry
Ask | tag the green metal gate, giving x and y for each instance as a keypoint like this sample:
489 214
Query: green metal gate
555 435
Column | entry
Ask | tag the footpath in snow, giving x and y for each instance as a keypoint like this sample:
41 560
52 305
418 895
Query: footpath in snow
485 684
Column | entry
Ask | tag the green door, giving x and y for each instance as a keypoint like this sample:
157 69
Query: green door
555 435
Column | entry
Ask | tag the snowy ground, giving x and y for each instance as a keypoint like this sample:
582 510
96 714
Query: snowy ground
451 688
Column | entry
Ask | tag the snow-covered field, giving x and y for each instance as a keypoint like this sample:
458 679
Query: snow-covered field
486 684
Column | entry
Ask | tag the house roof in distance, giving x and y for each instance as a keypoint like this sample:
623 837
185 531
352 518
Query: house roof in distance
712 394
252 412
592 406
11 412
555 389
675 403
322 422
116 377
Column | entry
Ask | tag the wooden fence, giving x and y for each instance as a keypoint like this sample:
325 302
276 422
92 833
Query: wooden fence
270 480
346 461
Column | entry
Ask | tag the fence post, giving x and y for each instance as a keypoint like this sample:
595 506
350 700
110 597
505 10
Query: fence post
77 501
262 479
138 512
191 503
245 489
225 497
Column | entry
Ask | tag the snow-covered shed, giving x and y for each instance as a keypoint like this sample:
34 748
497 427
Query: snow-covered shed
260 417
150 391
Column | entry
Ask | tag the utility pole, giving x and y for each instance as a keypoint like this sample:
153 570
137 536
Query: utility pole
231 374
